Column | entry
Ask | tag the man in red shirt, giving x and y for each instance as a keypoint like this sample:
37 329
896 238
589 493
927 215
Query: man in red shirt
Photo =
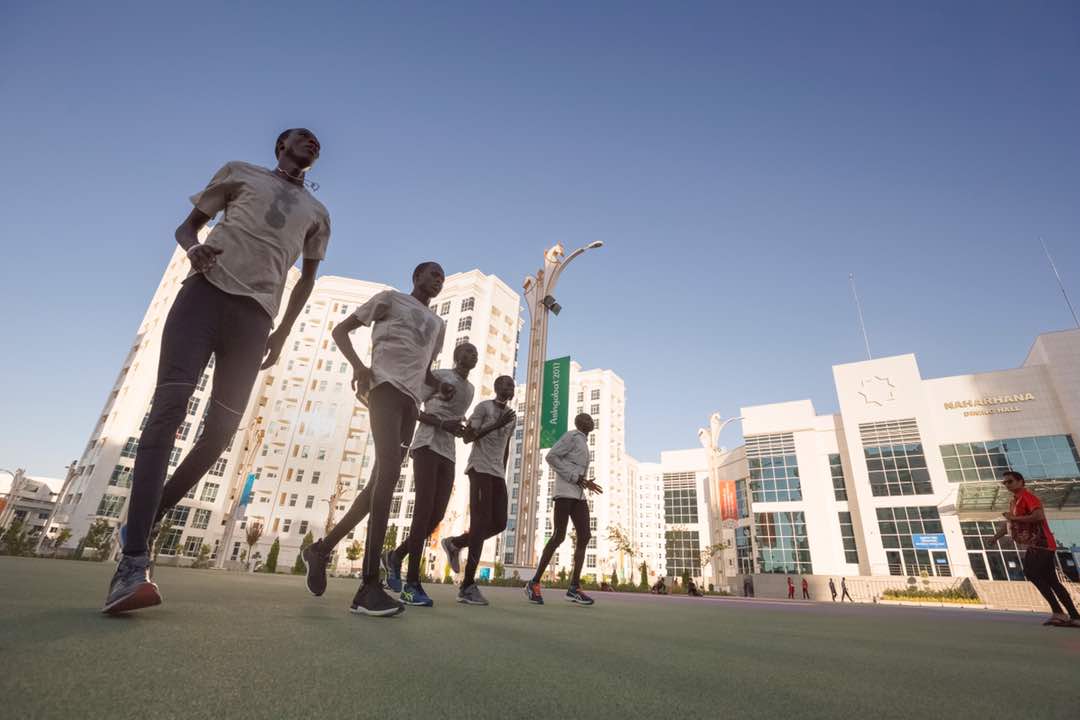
805 589
1026 524
790 589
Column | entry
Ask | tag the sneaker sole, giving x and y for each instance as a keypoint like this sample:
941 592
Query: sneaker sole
429 603
580 602
466 601
144 596
389 612
454 558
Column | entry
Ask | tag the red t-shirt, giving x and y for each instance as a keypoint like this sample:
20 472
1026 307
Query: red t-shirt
1029 534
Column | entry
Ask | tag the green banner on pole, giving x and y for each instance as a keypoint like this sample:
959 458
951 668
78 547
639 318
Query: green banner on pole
556 400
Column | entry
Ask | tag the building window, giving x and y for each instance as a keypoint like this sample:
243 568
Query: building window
209 492
465 323
782 543
595 394
744 550
683 552
445 309
847 534
218 468
774 471
170 540
594 409
741 500
680 498
468 304
897 526
192 405
111 505
895 459
836 469
174 456
315 477
202 382
286 525
303 527
580 397
121 476
395 506
192 546
461 340
1047 457
309 502
292 500
178 515
200 519
131 446
1002 561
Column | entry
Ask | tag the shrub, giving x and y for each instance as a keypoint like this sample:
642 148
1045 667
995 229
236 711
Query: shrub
270 565
959 594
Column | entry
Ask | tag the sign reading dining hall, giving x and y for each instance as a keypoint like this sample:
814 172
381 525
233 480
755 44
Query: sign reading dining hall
991 404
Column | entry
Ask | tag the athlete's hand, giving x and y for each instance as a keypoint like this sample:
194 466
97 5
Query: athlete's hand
274 343
203 257
454 427
447 391
593 487
361 382
1008 516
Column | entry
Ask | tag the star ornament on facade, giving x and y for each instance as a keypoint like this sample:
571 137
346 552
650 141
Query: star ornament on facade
877 391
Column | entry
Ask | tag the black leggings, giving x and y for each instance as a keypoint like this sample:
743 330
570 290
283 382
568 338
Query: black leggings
433 480
393 419
577 511
487 518
203 321
1041 570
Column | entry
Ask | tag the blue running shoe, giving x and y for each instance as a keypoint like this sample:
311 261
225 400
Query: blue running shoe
575 595
392 566
413 594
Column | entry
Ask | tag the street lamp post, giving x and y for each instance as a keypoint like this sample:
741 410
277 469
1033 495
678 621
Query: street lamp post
539 301
710 440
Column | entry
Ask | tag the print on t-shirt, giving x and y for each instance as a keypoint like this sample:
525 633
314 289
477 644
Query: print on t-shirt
276 217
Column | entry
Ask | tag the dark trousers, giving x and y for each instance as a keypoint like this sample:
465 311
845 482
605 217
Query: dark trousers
433 479
806 594
1041 570
576 511
203 321
487 518
845 594
393 419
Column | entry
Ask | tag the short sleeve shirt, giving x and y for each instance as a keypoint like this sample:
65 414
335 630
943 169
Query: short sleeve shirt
267 223
488 453
1027 535
405 339
437 439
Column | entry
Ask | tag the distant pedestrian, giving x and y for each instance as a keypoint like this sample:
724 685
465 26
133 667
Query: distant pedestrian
805 589
747 587
1026 524
832 589
790 589
843 591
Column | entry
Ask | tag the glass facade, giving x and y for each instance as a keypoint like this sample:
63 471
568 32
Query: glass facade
836 470
1047 457
775 478
741 501
680 499
898 470
782 543
744 550
991 562
847 533
683 552
897 525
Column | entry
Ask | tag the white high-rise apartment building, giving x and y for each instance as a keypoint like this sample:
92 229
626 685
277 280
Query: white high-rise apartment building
601 394
648 524
316 452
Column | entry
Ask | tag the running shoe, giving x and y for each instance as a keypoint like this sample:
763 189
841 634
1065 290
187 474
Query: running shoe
131 588
413 594
471 596
372 600
453 554
392 566
532 592
316 559
575 595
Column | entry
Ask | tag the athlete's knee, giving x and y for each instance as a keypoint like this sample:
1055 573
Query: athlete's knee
559 536
167 411
221 425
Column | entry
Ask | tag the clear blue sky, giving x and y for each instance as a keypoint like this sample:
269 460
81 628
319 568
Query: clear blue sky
737 161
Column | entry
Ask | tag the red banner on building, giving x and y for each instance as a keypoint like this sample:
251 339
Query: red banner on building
728 507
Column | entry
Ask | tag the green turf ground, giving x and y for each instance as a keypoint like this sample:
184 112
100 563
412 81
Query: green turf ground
230 646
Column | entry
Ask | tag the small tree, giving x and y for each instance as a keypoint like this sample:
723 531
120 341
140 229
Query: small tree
299 568
15 540
354 552
271 557
562 575
202 560
98 538
61 537
251 536
614 578
390 540
448 579
500 571
686 578
643 581
163 532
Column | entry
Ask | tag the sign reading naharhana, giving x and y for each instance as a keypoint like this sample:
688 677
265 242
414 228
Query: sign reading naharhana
555 401
992 404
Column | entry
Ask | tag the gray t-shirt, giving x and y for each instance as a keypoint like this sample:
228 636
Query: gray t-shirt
569 457
488 453
435 438
268 223
405 339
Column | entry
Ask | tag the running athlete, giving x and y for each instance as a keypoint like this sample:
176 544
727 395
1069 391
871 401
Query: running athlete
489 430
225 309
569 458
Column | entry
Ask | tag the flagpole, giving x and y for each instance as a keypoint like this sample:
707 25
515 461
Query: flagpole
1060 284
858 308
